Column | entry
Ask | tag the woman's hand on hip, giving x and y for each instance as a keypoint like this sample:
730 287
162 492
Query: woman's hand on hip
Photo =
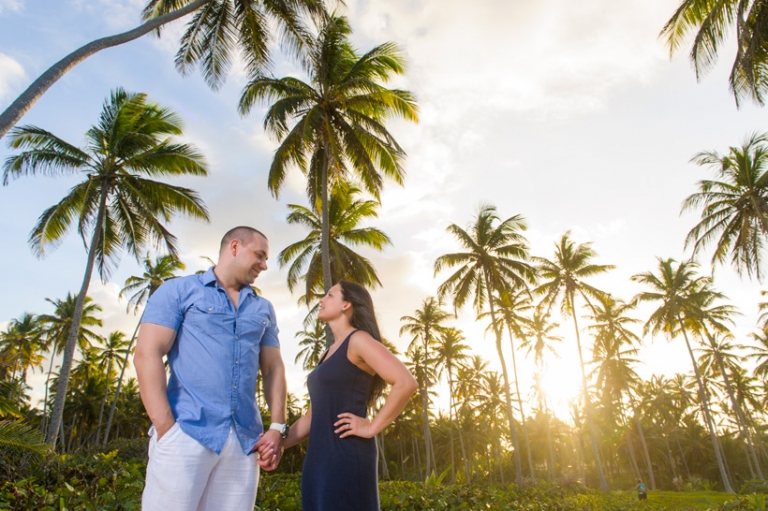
352 425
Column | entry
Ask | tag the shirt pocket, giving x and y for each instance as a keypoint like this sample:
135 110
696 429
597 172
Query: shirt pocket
253 326
209 319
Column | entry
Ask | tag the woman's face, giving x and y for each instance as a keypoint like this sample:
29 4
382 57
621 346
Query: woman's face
331 305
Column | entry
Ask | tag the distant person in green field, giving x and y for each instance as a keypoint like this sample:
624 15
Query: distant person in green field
642 492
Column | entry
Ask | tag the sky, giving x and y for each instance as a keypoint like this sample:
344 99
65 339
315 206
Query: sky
571 114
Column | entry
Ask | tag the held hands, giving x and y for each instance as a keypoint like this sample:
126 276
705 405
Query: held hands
352 425
270 449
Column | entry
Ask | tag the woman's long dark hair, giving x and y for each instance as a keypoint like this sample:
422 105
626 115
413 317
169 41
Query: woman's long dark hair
364 318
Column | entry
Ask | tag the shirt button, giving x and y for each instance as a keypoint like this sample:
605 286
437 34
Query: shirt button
233 412
210 308
234 386
237 361
237 337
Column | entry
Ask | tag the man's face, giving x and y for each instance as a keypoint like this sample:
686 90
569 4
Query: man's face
251 256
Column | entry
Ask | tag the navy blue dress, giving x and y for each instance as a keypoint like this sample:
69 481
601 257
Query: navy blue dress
339 474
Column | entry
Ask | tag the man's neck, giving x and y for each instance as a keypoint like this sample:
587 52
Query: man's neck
229 284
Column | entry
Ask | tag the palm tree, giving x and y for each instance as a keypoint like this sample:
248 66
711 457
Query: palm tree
57 327
337 119
211 37
495 261
734 206
312 343
121 208
21 344
467 385
115 347
346 212
611 328
563 281
155 273
450 353
711 21
538 338
425 325
760 353
681 293
510 306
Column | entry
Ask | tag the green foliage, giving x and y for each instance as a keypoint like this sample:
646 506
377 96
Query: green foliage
77 483
434 481
754 486
104 481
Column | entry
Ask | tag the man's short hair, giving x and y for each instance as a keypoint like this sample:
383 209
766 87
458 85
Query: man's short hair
242 233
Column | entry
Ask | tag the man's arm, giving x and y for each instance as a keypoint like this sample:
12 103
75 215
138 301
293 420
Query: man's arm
270 446
153 343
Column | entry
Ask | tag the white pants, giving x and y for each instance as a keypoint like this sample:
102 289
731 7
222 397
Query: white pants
182 475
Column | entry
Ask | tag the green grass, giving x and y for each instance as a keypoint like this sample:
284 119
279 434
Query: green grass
685 501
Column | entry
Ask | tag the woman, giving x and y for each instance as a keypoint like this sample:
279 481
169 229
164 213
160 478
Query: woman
340 468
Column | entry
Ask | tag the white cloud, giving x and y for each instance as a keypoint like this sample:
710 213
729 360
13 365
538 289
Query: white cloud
11 75
10 6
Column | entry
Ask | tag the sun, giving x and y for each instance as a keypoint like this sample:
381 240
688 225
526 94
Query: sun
561 383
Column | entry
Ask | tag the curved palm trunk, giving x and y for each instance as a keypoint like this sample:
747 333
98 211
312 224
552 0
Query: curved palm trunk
508 398
708 417
29 97
69 349
588 404
522 413
120 381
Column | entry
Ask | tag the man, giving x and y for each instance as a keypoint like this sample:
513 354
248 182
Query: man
206 427
641 490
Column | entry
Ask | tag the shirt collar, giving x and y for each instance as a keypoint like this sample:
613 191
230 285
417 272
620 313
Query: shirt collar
208 277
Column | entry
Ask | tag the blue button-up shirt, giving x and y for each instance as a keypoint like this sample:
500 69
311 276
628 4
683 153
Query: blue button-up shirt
214 360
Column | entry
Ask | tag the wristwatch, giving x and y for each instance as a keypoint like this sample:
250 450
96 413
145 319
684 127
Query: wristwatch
282 428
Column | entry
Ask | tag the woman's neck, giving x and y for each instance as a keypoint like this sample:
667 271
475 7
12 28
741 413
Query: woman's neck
341 328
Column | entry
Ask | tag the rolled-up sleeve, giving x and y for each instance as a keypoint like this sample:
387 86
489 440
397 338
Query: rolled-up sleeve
270 334
163 307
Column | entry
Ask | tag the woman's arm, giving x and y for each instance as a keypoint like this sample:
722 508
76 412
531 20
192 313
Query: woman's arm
372 356
299 430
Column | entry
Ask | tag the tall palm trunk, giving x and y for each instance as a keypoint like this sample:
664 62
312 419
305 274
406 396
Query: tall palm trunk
551 468
507 396
450 424
672 463
587 402
682 456
708 417
648 464
522 412
69 349
29 97
429 452
467 471
740 420
103 402
120 381
325 233
44 423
